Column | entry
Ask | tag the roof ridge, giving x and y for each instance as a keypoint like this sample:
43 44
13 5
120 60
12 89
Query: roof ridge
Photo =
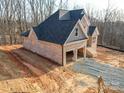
76 9
63 9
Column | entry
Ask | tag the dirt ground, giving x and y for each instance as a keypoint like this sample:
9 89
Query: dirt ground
109 56
22 71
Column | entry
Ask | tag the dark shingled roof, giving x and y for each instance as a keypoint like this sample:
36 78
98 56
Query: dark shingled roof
55 30
91 30
25 33
77 14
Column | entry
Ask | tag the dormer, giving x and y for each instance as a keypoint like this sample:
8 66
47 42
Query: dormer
64 15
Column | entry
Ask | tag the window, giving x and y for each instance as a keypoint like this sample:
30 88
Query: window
76 32
94 39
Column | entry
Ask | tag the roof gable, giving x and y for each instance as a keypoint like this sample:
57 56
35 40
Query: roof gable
76 34
96 32
91 30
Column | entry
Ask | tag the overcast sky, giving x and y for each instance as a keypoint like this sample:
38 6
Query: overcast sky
97 4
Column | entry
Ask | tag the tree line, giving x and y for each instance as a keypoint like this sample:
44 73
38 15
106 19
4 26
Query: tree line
17 16
110 23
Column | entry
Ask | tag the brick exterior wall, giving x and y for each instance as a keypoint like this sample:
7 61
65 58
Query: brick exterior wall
46 49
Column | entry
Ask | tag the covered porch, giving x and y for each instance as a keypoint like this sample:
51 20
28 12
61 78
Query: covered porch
74 51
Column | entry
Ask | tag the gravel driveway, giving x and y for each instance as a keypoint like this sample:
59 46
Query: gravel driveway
112 75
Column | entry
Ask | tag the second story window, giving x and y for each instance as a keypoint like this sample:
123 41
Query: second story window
76 32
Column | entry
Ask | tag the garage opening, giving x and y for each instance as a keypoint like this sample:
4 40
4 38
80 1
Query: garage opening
69 56
80 53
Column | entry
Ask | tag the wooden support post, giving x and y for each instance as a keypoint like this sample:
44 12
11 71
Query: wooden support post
84 51
75 55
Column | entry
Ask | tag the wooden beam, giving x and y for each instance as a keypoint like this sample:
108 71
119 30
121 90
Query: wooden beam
75 55
84 50
75 42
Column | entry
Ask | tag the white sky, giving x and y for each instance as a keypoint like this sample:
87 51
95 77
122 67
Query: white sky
97 4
